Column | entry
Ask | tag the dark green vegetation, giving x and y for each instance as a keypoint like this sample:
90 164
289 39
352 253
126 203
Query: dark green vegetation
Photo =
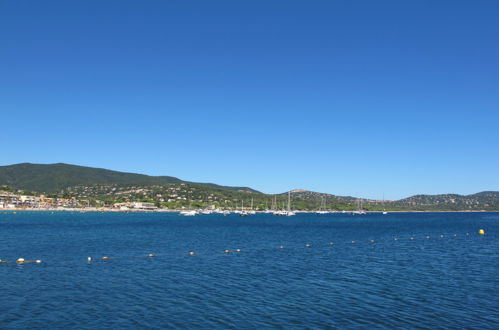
486 200
52 178
105 187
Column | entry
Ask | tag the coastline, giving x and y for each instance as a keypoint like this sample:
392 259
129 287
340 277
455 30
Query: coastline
90 210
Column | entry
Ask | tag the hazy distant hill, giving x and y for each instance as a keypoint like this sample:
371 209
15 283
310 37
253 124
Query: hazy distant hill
486 200
52 178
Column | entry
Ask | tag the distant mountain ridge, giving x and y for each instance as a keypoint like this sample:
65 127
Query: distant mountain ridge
51 178
484 199
88 182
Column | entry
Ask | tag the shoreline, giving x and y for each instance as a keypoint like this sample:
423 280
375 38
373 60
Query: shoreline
93 210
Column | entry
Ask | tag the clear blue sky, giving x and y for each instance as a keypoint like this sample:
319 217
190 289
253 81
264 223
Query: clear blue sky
346 97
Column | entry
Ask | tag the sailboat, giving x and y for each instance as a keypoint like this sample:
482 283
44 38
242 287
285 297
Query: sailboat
243 212
251 211
289 213
322 208
236 211
384 210
359 207
275 210
361 211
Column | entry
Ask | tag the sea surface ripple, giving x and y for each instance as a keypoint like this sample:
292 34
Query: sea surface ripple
401 270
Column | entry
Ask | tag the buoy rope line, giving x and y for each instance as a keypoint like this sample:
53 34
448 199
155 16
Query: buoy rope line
481 232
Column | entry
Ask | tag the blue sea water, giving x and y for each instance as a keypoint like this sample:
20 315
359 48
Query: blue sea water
401 280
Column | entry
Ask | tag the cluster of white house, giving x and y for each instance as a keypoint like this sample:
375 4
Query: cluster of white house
10 200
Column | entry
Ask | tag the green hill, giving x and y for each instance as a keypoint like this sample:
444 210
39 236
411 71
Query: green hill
86 182
486 200
51 178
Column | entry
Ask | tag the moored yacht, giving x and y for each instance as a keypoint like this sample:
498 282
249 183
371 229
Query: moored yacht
384 210
322 208
188 213
289 213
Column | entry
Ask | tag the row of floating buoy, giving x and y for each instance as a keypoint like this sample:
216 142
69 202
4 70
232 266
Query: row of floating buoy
229 251
22 261
150 255
192 253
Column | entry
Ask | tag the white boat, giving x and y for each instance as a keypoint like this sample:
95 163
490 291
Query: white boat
188 213
289 213
384 211
251 211
243 213
322 208
359 208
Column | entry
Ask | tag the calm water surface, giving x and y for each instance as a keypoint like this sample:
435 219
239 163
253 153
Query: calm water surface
437 282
